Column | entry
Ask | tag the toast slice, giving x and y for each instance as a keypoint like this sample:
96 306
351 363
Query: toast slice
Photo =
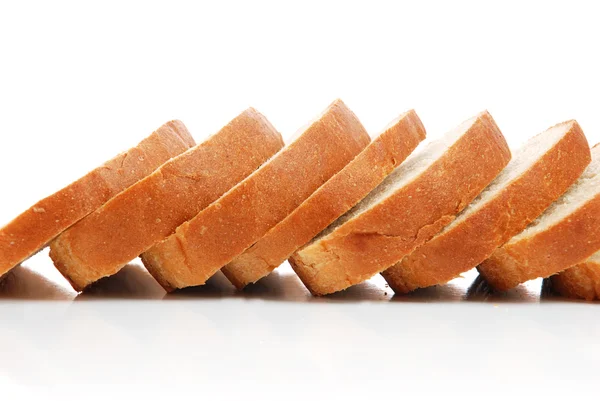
226 228
32 230
329 202
539 172
579 281
567 233
410 206
150 210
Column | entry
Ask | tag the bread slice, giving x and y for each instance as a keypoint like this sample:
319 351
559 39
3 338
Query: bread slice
579 281
32 230
329 202
539 172
200 247
150 210
567 233
410 206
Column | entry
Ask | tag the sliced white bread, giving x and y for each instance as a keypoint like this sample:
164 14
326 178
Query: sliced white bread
579 281
330 201
230 225
150 210
539 172
409 207
566 234
32 230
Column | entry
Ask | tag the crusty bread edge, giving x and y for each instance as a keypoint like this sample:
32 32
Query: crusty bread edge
375 162
80 254
52 215
475 230
354 141
548 252
343 274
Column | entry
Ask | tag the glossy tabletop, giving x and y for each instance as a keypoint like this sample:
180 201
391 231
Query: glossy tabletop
274 339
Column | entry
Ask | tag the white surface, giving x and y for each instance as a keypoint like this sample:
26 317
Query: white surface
276 341
80 82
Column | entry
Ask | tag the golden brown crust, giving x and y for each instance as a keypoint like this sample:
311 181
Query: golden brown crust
37 226
473 240
579 281
150 210
548 252
382 235
330 201
200 247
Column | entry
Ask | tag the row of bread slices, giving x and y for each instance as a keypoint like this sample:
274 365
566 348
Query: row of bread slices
340 206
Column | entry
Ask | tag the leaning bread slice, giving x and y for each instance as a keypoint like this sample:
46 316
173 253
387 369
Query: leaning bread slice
579 281
410 206
150 210
36 227
329 202
200 247
539 172
566 234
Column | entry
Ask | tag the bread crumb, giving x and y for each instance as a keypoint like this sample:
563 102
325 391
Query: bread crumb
203 229
158 220
39 209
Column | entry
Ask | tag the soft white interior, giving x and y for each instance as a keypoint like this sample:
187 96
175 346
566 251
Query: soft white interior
586 187
522 160
417 163
594 258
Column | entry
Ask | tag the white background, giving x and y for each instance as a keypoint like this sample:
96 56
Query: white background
80 82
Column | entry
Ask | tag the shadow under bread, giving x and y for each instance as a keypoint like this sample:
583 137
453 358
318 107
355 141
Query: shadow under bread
436 293
131 282
215 287
481 291
23 283
367 291
281 285
284 285
276 286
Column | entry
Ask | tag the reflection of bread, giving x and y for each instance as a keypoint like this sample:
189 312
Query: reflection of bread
538 173
151 210
40 224
566 234
579 281
329 202
226 228
416 201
